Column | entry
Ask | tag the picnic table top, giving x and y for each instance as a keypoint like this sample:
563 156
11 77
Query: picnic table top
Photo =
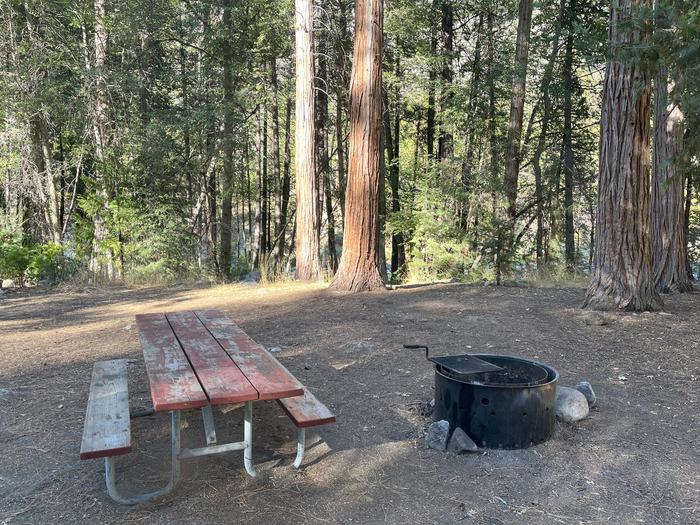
201 357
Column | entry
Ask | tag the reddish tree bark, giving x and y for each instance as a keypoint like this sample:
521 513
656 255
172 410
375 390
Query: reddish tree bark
670 249
359 265
307 211
623 274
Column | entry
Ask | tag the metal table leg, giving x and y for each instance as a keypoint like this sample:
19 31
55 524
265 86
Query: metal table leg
248 439
110 468
301 445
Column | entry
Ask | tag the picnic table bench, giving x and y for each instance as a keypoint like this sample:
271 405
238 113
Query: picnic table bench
194 360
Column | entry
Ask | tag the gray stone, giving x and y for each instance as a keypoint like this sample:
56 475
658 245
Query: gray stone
570 405
436 438
8 283
587 390
274 349
461 442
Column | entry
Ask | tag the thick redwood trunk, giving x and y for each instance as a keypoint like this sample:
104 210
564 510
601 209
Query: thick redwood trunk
307 212
623 274
667 196
359 269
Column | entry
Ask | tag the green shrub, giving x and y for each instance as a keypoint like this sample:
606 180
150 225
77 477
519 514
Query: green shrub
14 261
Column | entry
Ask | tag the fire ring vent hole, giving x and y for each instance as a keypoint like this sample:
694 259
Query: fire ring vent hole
484 401
493 413
524 413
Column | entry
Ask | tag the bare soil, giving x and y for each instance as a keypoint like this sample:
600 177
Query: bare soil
636 459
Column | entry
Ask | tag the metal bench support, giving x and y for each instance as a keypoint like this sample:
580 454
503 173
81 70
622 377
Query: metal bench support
301 445
110 468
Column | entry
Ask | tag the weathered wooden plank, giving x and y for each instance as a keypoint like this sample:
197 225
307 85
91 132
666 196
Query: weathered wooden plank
221 379
107 430
173 383
306 411
265 373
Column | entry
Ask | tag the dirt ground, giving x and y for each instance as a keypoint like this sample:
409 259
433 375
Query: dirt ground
636 459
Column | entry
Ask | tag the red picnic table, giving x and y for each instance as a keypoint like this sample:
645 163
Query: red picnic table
194 360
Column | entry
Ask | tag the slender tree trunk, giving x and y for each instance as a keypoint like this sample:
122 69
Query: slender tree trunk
286 183
391 142
359 265
322 159
277 182
567 145
430 120
445 140
686 221
544 129
667 194
307 212
470 140
623 274
517 104
493 140
227 182
340 153
264 197
101 259
341 101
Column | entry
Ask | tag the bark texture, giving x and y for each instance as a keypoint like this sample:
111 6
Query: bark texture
358 269
517 104
307 212
667 196
101 259
623 274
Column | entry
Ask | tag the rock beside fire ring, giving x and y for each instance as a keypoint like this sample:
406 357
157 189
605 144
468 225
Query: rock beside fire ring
571 405
587 390
437 435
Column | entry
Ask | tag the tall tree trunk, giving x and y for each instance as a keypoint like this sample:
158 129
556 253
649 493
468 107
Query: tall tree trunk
286 183
277 182
445 140
623 274
667 195
359 265
101 259
322 159
307 212
341 101
430 120
686 221
391 143
517 104
568 147
264 197
227 182
340 153
544 129
470 140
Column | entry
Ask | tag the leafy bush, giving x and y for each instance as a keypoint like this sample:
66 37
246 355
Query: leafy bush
14 262
50 263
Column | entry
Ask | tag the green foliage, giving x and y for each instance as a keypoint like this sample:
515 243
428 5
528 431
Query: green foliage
15 259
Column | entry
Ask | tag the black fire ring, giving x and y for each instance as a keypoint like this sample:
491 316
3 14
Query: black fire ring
510 408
